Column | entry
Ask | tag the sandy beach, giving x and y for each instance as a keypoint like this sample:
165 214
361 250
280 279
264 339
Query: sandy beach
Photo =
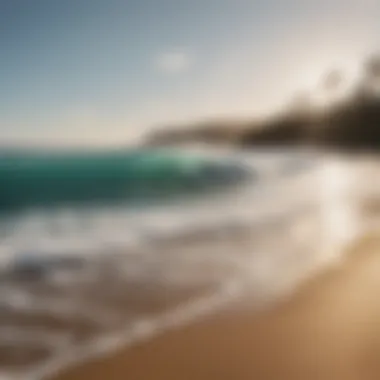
329 329
190 190
284 289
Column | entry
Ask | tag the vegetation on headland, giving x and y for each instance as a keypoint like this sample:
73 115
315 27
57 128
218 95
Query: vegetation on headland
351 120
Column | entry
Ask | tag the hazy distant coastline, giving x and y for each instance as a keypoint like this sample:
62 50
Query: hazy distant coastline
351 121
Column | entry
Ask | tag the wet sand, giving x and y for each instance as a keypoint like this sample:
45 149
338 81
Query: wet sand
328 330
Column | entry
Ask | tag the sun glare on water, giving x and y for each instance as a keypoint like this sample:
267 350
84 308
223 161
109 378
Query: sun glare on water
338 212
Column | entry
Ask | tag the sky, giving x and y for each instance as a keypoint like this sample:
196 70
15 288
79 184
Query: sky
101 72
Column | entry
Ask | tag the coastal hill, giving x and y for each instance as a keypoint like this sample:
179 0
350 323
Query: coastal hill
351 121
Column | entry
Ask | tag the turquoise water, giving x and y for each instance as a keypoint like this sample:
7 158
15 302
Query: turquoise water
43 179
91 202
85 237
76 202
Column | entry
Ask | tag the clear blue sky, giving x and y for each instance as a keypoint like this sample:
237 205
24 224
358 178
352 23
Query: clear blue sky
102 71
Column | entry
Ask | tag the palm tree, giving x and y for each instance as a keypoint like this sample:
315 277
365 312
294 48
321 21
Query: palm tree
332 81
331 85
372 73
373 66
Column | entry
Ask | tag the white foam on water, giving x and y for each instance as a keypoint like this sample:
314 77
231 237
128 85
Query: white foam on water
66 231
293 221
139 331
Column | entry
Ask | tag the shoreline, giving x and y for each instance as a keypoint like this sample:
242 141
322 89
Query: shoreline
328 329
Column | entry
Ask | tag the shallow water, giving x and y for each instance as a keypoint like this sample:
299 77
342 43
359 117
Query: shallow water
79 281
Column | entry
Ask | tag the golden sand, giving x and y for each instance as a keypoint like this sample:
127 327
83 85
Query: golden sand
329 330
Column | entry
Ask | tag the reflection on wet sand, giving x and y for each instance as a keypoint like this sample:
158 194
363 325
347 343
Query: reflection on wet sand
327 330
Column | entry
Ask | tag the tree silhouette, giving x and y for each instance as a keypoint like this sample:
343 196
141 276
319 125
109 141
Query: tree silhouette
372 74
372 67
332 81
369 83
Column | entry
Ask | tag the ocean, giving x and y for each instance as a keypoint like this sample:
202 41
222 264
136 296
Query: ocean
99 250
